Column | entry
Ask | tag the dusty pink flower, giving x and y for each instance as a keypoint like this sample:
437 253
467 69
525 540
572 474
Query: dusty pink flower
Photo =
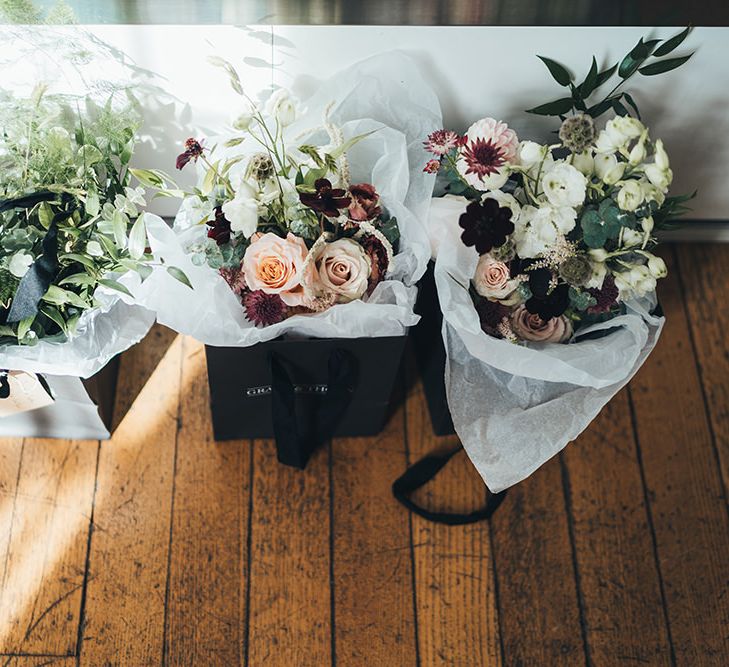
492 279
274 265
432 167
365 200
488 146
529 326
441 142
343 268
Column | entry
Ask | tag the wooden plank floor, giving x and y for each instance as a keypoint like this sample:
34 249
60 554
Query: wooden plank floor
161 547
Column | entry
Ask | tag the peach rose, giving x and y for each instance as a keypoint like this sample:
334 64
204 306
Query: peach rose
529 326
274 265
492 279
343 269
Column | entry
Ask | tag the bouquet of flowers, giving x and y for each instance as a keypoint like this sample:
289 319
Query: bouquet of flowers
307 217
288 231
548 281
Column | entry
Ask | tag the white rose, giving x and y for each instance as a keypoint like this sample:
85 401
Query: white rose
608 169
20 264
281 107
492 279
94 249
630 196
661 178
661 156
564 185
584 162
242 211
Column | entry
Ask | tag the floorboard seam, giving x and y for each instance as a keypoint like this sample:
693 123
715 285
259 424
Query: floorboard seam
165 621
497 598
332 611
702 384
413 577
567 492
652 530
248 558
12 515
87 562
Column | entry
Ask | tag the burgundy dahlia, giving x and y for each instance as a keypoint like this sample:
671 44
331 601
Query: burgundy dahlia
365 202
606 296
193 150
326 200
491 314
378 257
485 225
441 142
219 227
264 309
483 157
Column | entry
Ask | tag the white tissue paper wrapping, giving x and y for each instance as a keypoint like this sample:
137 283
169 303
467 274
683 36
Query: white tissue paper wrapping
102 333
386 93
516 406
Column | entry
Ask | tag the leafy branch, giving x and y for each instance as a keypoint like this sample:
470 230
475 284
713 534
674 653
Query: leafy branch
621 102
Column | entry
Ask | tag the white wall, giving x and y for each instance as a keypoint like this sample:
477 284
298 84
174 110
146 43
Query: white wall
476 71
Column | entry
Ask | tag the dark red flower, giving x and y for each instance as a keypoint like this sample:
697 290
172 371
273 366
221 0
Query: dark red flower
235 278
547 300
365 202
432 167
264 309
483 157
193 150
606 296
485 225
326 200
490 314
441 142
219 227
378 257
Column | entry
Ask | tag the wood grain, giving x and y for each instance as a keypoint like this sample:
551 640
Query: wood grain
11 453
40 600
685 488
374 620
37 661
124 619
206 602
535 574
704 273
613 546
290 597
454 579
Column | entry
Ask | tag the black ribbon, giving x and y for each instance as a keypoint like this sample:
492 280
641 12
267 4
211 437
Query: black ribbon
26 201
4 384
35 283
292 447
421 473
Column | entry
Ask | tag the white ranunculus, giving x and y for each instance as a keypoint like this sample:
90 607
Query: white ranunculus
661 156
94 249
564 185
537 229
608 169
242 211
661 178
281 107
531 153
657 267
504 199
630 196
19 264
584 162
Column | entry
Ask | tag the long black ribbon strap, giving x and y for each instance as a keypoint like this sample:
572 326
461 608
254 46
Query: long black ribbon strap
421 473
4 384
292 448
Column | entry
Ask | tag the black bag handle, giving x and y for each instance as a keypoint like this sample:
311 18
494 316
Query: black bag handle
420 473
4 384
291 447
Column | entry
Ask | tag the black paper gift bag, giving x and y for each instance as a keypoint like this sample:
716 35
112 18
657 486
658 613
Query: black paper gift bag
302 392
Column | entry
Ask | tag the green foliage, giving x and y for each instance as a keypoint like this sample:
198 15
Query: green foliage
621 102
